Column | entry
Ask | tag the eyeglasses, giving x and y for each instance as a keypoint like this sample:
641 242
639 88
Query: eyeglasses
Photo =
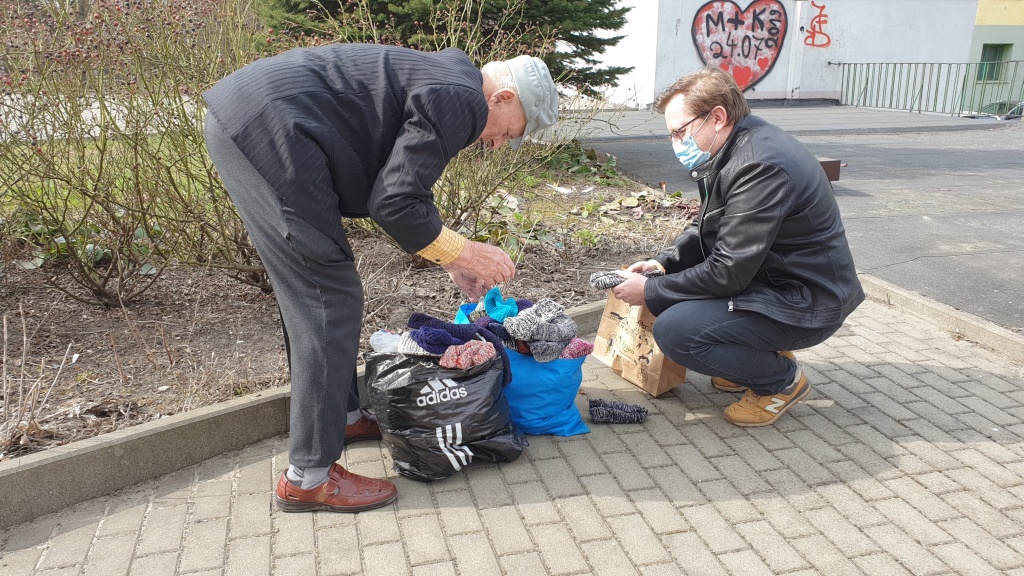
677 134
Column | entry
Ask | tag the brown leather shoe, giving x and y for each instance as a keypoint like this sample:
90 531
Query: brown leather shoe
343 491
365 428
727 386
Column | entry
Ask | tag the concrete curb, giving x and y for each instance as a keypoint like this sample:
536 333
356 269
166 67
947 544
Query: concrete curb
49 481
52 480
1003 342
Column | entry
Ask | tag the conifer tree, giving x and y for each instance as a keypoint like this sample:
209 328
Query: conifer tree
569 35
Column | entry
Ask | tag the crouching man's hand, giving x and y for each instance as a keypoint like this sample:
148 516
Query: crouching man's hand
632 290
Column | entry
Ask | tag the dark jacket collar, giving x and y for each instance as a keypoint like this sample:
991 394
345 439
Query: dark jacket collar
718 161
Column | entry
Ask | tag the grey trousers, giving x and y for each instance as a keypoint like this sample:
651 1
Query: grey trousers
319 295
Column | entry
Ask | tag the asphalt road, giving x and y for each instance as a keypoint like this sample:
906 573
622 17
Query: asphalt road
933 205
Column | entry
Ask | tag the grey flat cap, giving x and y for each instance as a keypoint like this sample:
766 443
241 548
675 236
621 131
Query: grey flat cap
537 94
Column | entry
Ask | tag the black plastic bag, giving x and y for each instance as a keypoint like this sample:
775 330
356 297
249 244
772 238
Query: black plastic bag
436 421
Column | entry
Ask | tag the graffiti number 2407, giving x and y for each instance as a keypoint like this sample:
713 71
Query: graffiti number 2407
745 43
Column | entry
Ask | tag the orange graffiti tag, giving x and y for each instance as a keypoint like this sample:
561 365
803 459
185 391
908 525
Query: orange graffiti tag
816 35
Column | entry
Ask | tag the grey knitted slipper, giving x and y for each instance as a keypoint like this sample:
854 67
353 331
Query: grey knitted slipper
606 279
612 412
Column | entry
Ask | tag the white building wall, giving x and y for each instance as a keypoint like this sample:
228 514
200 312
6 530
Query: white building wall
636 49
816 34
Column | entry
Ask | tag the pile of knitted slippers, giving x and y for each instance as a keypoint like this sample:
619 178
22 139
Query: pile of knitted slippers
612 412
544 328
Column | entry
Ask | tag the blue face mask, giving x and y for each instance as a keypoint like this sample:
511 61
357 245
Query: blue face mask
689 153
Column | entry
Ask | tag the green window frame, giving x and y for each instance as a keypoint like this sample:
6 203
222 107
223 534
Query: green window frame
992 55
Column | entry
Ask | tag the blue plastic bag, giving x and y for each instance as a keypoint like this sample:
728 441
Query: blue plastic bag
462 316
542 395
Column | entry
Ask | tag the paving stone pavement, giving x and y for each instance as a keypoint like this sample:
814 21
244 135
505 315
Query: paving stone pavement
906 458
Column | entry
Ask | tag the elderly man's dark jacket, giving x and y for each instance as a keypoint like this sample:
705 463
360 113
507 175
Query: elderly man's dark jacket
768 235
355 130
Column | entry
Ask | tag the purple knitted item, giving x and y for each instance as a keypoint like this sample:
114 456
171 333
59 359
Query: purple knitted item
466 332
500 331
435 340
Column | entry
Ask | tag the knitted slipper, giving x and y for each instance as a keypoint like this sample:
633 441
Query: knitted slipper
612 412
609 278
409 347
577 348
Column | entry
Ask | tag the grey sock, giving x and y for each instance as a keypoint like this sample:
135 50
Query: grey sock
558 329
353 416
307 478
521 327
545 351
789 389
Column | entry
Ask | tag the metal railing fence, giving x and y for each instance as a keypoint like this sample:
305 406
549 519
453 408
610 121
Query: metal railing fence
955 89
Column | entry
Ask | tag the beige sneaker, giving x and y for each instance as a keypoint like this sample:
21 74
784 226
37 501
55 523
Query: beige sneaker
753 410
726 386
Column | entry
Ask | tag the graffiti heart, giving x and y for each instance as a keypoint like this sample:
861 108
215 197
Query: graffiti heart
745 43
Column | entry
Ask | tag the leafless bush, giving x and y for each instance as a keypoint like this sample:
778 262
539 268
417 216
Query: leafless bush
101 151
22 422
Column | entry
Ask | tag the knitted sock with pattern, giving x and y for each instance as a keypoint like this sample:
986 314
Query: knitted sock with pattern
464 357
577 348
613 412
546 351
523 325
606 279
559 329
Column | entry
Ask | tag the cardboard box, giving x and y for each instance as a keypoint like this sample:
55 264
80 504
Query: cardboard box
831 168
625 343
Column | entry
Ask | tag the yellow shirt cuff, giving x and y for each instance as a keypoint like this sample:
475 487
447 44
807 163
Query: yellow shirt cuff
445 248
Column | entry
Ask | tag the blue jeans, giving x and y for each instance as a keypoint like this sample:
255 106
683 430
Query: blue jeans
740 346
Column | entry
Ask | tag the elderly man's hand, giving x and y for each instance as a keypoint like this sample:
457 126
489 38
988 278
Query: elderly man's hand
632 290
479 267
467 282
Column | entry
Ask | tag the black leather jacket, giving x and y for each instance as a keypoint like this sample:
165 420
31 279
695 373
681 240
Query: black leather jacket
768 235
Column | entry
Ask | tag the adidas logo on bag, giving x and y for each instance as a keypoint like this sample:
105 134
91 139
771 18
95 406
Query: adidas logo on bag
440 391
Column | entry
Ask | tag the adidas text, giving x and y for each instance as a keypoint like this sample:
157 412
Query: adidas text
440 391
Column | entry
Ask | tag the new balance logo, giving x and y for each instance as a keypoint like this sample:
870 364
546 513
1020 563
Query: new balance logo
775 405
440 391
449 438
